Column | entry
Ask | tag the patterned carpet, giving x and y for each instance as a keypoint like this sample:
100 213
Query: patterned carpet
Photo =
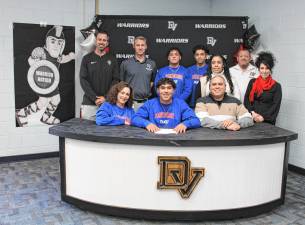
30 195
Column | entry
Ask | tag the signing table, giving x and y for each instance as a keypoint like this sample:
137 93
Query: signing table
204 174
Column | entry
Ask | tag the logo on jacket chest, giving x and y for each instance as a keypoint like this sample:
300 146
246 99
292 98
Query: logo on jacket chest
148 67
174 76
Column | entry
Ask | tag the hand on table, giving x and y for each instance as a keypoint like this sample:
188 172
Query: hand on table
180 128
257 117
152 128
227 123
234 127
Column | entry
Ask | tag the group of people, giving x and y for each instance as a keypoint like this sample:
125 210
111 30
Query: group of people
208 93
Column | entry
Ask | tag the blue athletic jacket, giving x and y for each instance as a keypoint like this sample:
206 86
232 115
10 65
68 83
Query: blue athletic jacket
195 73
180 76
109 114
165 116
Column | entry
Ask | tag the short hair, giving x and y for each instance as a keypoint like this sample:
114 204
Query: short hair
220 76
244 49
166 80
200 47
140 38
102 32
112 94
266 58
174 49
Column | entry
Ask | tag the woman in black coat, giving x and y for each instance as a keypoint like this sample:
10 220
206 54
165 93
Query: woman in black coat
264 95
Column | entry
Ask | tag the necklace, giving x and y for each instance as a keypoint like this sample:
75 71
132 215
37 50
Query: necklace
165 107
174 71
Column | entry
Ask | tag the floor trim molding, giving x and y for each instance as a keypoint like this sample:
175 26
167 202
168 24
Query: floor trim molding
296 169
16 158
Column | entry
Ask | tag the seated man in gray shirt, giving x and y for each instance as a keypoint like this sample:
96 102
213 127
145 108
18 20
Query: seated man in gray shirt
139 72
219 110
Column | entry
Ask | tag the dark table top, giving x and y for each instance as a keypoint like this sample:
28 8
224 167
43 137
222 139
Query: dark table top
259 134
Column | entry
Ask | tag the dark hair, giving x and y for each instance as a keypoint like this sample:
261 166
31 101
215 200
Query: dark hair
102 32
112 95
174 49
166 80
200 47
266 58
225 71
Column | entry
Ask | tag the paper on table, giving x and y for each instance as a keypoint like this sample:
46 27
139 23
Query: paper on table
166 131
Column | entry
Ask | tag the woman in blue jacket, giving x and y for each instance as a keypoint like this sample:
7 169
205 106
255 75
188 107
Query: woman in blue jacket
117 108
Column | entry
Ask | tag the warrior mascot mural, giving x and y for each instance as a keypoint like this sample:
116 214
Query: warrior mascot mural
43 77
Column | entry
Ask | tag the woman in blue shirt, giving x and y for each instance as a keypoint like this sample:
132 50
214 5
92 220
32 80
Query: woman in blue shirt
117 109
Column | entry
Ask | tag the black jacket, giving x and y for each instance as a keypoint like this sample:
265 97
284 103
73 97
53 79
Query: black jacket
97 75
267 104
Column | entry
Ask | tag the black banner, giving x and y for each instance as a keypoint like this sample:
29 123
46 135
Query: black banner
222 35
44 69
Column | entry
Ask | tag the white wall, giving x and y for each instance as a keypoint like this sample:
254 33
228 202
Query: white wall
281 24
156 7
78 13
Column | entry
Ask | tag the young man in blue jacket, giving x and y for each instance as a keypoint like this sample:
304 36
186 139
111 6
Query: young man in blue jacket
166 111
178 73
197 70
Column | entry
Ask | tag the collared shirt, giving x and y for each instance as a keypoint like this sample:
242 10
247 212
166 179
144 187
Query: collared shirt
242 77
139 75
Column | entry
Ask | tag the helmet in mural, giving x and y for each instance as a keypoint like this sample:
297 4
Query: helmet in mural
55 41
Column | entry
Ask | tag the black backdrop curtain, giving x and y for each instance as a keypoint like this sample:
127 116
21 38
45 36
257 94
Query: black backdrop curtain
222 35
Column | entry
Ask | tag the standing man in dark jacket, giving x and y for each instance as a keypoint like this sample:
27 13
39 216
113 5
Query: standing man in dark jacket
98 72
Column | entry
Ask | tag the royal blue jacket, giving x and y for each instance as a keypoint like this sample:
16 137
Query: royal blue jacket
165 116
111 114
180 76
195 73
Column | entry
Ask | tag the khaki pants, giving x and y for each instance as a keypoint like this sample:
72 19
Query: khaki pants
137 105
88 112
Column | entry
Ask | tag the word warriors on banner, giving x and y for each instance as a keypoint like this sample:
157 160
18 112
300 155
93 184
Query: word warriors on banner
133 25
176 173
210 26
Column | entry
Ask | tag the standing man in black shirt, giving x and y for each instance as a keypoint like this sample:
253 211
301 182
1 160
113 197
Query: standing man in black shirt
139 72
98 72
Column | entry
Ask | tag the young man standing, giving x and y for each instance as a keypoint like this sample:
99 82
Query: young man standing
166 111
99 71
197 70
176 72
139 72
243 71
